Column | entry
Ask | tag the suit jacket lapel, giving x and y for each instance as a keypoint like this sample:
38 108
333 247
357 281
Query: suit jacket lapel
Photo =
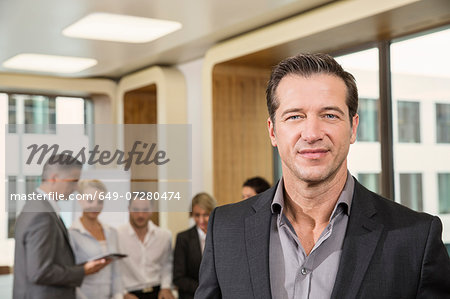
361 239
197 254
257 234
64 230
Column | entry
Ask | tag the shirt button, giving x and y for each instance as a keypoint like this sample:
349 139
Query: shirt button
304 271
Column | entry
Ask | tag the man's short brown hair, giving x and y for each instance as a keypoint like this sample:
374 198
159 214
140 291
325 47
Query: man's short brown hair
306 65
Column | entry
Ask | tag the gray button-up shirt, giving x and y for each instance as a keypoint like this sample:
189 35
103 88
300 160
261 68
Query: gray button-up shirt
293 274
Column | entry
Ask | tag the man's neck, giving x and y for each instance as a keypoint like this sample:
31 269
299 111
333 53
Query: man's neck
308 207
86 221
312 203
140 231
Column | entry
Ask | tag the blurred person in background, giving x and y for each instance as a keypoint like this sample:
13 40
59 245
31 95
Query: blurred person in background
254 186
44 263
189 247
92 239
147 271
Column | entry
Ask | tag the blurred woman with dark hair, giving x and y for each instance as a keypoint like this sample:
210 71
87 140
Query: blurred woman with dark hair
254 186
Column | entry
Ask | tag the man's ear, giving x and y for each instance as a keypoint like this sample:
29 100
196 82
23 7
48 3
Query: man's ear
271 129
355 123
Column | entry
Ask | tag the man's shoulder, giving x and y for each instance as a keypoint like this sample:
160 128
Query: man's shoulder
389 211
241 209
186 234
162 232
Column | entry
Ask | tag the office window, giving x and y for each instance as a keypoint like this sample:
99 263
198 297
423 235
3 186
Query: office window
408 121
411 190
371 181
443 123
365 156
12 206
368 120
12 114
444 192
39 110
420 99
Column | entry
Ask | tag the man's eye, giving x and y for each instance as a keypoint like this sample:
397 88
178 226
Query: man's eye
330 116
293 117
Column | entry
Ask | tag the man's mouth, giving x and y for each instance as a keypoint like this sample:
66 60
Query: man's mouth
313 153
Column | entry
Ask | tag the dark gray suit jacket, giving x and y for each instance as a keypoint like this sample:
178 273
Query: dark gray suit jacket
389 251
44 264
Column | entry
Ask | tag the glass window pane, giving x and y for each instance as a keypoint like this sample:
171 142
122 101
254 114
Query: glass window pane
12 207
411 190
37 110
420 71
12 108
368 120
371 181
443 123
364 160
408 121
444 192
40 110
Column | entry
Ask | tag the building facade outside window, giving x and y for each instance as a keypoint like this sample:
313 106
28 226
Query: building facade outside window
371 181
411 190
444 192
408 121
421 123
368 129
363 65
39 113
442 123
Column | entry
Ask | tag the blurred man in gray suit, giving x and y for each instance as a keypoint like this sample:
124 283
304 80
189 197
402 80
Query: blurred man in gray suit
44 265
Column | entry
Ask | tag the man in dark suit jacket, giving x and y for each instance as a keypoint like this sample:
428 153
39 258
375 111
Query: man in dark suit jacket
319 233
44 264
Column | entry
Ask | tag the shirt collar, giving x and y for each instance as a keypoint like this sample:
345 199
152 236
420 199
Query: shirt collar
151 228
201 233
51 201
344 200
77 225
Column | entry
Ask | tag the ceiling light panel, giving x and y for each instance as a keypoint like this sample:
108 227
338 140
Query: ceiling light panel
120 28
49 63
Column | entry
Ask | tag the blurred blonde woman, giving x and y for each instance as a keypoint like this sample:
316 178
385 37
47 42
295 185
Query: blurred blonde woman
189 247
91 239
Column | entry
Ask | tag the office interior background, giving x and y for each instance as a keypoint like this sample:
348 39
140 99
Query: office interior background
211 73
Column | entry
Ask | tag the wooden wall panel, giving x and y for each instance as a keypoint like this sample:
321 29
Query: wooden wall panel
241 145
140 108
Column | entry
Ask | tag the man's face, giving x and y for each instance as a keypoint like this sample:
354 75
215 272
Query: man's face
65 182
312 129
140 213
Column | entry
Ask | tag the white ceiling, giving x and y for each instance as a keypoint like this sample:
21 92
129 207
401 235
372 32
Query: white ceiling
31 26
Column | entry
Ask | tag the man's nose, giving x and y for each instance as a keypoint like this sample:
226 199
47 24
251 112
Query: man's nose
311 130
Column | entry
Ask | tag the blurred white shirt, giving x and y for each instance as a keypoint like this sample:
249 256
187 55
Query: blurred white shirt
148 263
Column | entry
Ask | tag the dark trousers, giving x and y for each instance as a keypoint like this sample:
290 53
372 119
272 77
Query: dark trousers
147 295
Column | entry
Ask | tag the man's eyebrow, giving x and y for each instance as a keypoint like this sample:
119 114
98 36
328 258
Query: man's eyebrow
291 110
333 108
